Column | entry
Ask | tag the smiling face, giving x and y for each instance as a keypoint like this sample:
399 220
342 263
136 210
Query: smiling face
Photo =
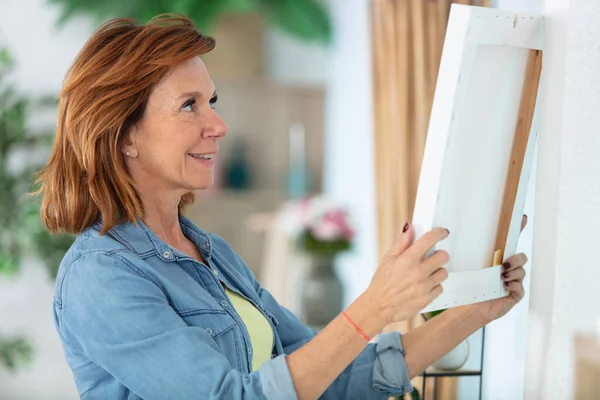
172 148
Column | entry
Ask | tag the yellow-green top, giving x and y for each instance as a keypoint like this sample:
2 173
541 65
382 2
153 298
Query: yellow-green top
261 334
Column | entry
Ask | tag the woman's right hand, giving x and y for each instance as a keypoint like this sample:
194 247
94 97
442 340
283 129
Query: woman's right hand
406 281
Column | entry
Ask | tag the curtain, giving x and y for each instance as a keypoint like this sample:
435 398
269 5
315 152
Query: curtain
407 39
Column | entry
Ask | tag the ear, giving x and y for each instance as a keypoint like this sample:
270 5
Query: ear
128 147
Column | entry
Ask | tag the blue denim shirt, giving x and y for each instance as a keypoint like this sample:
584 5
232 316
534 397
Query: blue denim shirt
139 319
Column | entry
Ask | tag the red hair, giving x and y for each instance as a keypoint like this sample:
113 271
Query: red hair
105 92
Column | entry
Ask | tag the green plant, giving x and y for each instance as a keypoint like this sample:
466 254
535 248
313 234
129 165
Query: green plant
316 247
21 147
434 313
414 395
21 231
304 19
14 352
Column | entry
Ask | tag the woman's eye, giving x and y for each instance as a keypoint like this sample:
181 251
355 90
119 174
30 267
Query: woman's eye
188 105
213 102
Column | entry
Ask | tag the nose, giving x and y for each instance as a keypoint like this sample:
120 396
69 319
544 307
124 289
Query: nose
216 128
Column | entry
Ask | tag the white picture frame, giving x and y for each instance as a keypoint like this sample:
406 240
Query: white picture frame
479 148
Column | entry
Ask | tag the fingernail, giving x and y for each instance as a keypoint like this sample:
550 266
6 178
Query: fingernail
447 231
525 215
405 228
506 265
505 275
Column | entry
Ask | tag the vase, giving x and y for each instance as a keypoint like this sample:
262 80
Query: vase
455 359
322 293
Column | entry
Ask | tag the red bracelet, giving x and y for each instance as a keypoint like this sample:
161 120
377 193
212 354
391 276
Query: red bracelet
367 338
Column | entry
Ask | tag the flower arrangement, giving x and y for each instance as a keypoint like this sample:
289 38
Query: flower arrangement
322 227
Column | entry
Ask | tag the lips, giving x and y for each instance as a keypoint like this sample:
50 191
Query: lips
205 156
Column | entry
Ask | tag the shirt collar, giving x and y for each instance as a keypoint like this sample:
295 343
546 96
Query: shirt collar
139 238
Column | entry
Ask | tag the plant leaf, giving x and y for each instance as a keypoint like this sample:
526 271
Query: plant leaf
414 395
9 264
15 352
21 231
305 19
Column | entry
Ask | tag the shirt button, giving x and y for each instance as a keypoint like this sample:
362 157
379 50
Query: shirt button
167 254
209 331
250 350
224 303
215 272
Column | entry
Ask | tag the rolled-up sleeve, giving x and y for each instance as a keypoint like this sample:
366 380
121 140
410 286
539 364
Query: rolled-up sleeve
378 372
390 373
276 380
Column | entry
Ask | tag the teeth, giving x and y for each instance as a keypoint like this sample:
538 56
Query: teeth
202 156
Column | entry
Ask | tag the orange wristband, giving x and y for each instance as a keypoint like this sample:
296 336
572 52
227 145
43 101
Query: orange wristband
367 338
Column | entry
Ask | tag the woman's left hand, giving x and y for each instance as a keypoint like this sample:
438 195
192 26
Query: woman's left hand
513 274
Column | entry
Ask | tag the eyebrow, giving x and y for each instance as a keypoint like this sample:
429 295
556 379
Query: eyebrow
195 94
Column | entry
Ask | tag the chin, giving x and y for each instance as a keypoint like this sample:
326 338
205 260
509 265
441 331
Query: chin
202 185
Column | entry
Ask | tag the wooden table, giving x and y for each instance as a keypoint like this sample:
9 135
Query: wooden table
587 367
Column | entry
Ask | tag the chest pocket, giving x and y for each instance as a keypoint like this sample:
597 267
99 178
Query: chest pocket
221 328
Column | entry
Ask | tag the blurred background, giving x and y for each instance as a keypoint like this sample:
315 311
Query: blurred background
282 84
315 179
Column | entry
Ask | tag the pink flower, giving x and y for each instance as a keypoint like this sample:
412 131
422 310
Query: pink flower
327 231
324 219
348 233
340 219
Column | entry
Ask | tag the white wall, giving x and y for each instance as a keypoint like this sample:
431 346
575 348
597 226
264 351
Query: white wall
565 298
294 62
543 271
349 158
42 51
26 310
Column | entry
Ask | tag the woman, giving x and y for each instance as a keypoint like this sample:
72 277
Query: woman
148 305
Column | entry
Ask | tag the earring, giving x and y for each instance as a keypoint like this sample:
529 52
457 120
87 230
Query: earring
127 153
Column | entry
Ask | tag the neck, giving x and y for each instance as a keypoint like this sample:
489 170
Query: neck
161 215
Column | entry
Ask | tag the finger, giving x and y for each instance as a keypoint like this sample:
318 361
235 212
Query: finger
427 241
403 242
523 222
514 275
516 290
435 261
516 261
438 277
435 292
